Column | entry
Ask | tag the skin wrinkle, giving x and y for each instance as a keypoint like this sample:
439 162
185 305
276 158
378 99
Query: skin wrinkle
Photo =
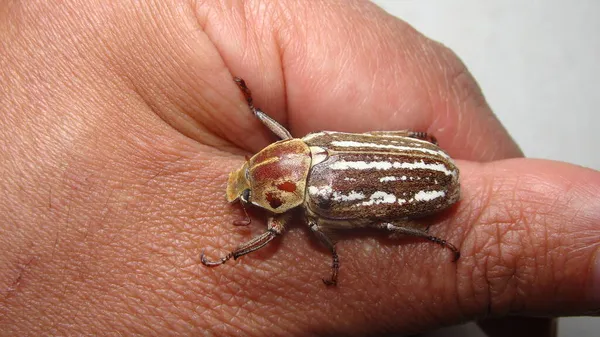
460 93
242 310
437 126
238 294
206 108
431 90
280 35
308 282
465 91
130 309
13 286
507 287
481 197
541 260
502 241
493 246
370 297
169 120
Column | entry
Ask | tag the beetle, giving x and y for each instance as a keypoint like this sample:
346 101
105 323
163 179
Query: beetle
380 179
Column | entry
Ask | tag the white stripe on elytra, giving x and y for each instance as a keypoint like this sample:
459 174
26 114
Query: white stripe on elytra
379 197
312 135
392 178
327 192
429 195
350 143
386 165
348 197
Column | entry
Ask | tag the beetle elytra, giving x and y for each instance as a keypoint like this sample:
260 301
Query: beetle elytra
380 179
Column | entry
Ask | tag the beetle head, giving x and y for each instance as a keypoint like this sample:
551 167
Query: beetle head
237 184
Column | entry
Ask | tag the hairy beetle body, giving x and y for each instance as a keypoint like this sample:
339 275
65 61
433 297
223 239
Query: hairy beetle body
382 179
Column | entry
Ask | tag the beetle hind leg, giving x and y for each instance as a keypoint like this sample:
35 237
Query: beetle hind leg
422 234
335 265
406 133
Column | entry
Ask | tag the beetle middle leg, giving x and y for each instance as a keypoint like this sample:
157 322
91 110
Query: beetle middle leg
275 227
422 234
335 265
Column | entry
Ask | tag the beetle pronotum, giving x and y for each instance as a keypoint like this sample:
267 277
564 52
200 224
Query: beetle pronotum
380 179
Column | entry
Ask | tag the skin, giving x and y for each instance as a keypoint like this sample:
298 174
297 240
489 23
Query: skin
121 122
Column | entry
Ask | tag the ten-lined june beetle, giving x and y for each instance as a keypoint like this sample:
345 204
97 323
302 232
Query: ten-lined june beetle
382 179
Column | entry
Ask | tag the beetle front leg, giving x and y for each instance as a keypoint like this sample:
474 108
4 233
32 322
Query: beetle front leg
269 122
335 266
275 227
405 230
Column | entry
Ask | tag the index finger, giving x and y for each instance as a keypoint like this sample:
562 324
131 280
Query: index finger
363 70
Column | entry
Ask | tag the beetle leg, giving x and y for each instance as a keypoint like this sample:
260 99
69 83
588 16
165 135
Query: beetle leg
335 266
406 133
247 220
272 124
245 90
275 227
423 136
269 122
422 234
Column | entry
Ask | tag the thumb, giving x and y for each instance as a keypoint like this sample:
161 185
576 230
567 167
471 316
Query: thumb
531 232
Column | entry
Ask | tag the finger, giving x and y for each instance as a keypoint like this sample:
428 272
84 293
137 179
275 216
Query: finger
534 231
362 70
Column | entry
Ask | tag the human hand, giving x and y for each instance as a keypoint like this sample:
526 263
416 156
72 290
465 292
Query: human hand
121 124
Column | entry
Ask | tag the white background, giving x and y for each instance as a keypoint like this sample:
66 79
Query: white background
538 64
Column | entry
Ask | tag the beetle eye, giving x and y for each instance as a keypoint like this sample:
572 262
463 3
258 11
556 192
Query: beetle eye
245 197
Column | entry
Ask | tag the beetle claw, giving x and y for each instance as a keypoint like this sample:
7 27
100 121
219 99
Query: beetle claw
330 282
208 263
242 223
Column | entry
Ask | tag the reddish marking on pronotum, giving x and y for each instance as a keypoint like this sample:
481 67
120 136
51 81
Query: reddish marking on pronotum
287 186
273 200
